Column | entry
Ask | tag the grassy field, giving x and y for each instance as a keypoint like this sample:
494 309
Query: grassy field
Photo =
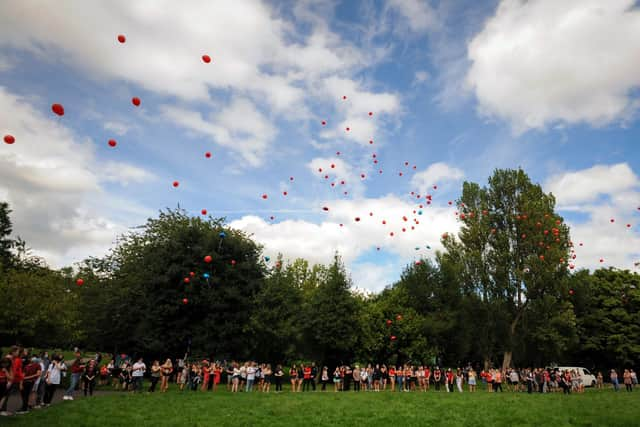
593 408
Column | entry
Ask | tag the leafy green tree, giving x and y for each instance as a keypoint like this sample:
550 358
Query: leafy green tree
607 309
275 318
330 318
165 298
6 243
513 248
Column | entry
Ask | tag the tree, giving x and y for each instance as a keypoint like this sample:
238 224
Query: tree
513 249
330 320
5 231
275 318
607 309
164 298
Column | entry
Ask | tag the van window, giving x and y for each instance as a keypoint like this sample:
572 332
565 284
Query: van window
586 371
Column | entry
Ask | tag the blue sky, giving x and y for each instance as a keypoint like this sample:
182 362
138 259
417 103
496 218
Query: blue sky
455 88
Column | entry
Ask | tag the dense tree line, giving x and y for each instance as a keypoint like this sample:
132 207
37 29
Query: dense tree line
500 293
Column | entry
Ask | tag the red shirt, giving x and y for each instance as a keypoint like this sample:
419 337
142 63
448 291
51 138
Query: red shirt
18 375
31 369
307 373
76 368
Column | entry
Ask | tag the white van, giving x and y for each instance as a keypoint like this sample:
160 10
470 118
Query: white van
588 379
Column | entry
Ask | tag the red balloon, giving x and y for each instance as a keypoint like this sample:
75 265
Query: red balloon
362 175
9 139
185 301
371 141
348 129
384 222
357 219
333 166
344 96
612 220
435 187
208 259
290 178
399 317
186 280
233 262
57 109
628 225
325 208
192 274
135 101
122 38
176 184
337 153
112 143
571 292
79 282
391 234
393 337
272 218
601 260
370 113
203 211
541 257
389 322
206 58
207 155
284 193
264 196
324 123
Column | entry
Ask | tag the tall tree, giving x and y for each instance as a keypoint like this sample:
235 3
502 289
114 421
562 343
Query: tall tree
331 318
514 249
6 243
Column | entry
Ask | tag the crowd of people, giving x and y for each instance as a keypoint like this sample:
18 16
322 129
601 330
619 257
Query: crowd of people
37 377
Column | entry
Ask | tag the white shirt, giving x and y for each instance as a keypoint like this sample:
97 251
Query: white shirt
251 373
54 374
138 369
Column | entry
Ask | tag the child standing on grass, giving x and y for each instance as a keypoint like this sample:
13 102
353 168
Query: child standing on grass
89 378
278 377
156 372
472 380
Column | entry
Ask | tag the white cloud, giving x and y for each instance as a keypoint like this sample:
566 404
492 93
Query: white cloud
436 174
373 277
603 193
53 185
421 76
322 239
240 127
588 185
418 14
541 62
256 55
118 128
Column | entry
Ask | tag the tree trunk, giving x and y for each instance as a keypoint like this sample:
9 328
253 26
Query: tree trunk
506 361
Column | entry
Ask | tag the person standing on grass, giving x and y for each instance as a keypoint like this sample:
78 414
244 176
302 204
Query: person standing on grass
89 377
52 380
459 379
40 386
278 375
324 378
32 373
235 378
427 377
77 368
293 377
364 378
437 377
137 374
206 373
306 376
165 371
392 377
497 382
356 378
156 372
472 380
16 376
626 378
5 383
267 374
314 375
336 379
251 376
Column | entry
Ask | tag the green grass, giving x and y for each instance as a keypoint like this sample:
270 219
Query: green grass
593 408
